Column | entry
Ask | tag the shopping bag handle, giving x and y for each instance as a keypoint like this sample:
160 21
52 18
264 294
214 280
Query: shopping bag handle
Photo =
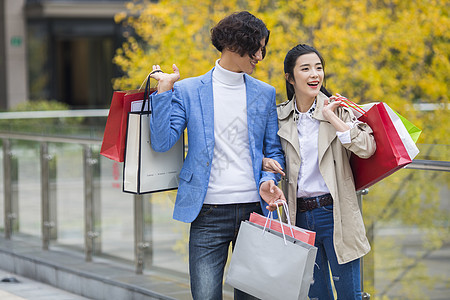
270 217
146 93
349 103
148 76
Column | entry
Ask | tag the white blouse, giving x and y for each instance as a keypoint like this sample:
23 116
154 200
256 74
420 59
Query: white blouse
310 182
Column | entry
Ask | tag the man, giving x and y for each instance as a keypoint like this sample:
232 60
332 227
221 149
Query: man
232 123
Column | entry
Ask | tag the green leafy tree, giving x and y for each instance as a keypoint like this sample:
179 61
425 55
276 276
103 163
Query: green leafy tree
394 51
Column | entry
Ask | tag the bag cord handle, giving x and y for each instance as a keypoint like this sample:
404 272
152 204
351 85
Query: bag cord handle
147 91
349 103
270 217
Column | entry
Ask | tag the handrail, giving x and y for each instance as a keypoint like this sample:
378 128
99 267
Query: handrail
429 165
54 114
418 164
50 138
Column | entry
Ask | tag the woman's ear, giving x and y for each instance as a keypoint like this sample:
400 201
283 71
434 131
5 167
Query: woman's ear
287 76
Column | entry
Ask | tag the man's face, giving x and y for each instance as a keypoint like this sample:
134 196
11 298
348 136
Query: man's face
246 64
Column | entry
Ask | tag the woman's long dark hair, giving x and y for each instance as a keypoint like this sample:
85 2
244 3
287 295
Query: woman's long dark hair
289 64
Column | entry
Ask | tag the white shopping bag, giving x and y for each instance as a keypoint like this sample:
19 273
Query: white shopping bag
403 133
146 170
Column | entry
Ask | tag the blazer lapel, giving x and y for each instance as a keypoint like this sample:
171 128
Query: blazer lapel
252 110
207 107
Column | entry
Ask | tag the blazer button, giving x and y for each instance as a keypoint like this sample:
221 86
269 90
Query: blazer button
207 163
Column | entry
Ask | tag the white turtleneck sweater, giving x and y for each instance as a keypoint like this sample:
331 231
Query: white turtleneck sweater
231 179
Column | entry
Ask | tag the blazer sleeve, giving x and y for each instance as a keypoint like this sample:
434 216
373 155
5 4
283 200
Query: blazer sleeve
168 119
272 144
362 141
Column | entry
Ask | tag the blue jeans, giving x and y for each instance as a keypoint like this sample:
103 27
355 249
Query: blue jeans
210 236
346 277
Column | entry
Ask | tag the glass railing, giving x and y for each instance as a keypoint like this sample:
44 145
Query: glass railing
407 221
59 189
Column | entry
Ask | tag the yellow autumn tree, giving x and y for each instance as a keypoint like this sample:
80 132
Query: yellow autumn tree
394 51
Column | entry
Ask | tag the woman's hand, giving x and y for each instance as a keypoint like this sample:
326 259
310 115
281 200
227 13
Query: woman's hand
329 108
165 80
271 165
329 114
271 193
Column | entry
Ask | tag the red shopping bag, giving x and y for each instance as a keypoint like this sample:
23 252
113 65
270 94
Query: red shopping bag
113 144
390 155
112 137
301 234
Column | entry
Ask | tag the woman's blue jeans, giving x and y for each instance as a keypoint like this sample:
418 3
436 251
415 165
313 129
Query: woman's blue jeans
346 277
210 236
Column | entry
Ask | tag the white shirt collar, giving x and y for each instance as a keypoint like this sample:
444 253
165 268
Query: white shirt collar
227 77
310 111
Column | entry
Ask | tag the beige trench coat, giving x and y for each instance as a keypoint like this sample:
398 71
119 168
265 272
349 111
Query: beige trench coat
350 241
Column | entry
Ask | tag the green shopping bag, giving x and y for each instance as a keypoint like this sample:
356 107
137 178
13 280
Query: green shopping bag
412 129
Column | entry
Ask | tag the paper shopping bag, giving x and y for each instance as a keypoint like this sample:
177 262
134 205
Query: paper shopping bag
145 170
413 130
271 266
392 150
406 135
300 234
113 144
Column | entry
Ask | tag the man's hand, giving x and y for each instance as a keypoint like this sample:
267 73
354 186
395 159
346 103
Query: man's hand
270 193
165 81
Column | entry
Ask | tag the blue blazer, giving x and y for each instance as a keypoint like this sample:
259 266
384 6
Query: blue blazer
190 104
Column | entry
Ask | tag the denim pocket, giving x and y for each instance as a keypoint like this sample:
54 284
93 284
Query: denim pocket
206 210
328 208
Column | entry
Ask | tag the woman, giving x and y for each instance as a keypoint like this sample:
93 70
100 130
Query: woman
318 136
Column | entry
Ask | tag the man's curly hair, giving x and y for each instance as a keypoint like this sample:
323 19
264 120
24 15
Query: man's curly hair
240 32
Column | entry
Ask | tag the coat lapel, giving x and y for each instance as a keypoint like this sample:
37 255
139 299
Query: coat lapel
288 128
207 108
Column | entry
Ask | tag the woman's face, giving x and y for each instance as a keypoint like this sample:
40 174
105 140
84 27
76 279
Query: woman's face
308 76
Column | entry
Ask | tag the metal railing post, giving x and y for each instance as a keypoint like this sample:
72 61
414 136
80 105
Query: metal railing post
45 201
139 244
7 185
48 199
89 232
148 231
365 296
96 200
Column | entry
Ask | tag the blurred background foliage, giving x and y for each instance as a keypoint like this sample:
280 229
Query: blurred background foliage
395 51
41 125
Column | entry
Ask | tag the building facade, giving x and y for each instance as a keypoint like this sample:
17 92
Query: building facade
58 50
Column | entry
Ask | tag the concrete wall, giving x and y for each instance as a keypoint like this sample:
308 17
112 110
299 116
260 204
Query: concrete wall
2 57
14 78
